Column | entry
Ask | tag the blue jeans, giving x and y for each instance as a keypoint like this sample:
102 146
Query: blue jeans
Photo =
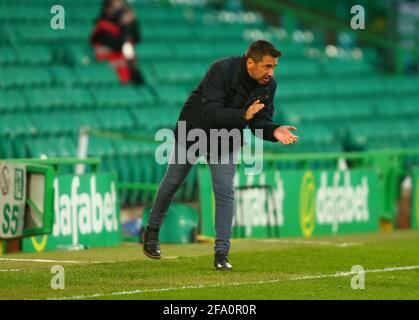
223 185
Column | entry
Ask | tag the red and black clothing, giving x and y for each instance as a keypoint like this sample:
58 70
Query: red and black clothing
107 40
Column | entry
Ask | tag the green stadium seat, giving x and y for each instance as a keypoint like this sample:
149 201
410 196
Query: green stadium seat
57 146
362 86
40 33
6 147
64 75
346 67
403 85
67 146
353 109
118 119
122 96
24 77
154 51
74 98
219 32
12 100
17 123
101 74
129 169
175 33
366 133
49 122
167 15
100 147
29 13
33 55
176 73
172 95
65 121
409 105
389 107
59 98
298 68
41 98
157 118
8 55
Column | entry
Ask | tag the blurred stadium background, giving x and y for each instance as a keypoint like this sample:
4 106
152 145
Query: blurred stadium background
346 90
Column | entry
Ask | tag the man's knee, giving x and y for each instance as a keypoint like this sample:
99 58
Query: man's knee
224 193
172 185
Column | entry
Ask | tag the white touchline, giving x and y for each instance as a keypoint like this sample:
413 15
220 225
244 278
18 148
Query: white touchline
55 261
321 243
9 270
202 286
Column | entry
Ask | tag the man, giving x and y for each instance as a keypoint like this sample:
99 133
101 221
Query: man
235 92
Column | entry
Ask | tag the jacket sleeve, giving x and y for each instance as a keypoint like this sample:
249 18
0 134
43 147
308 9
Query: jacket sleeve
214 100
263 120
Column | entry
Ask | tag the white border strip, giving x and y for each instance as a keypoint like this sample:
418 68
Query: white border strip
55 261
320 243
201 286
9 270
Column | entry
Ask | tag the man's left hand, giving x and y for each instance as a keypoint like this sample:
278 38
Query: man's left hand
283 134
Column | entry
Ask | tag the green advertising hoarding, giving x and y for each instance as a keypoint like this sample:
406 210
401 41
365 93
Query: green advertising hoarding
415 200
86 212
293 203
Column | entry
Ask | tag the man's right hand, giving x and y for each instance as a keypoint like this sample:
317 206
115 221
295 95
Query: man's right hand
253 109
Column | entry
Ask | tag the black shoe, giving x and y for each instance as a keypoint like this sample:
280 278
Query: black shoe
221 262
151 245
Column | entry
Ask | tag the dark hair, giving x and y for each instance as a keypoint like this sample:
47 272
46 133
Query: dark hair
106 4
261 48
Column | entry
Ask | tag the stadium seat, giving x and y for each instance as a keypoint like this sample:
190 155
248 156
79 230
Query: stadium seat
126 96
12 77
171 95
59 98
12 100
33 55
176 73
64 75
18 123
100 74
8 55
118 119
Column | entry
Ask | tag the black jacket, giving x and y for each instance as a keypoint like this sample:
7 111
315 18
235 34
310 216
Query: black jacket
222 98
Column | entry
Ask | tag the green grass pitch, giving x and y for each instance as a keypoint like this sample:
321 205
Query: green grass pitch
318 268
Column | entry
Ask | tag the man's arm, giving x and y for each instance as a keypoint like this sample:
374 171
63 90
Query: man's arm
214 99
271 131
263 120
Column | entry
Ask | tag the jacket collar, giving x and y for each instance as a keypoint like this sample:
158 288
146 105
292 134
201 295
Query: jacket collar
237 78
242 82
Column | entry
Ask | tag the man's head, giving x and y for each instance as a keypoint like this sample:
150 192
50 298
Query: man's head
261 60
113 7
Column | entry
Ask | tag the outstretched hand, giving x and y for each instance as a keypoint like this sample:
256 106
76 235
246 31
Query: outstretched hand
283 134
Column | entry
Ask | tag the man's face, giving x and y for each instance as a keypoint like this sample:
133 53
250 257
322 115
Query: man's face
263 70
117 5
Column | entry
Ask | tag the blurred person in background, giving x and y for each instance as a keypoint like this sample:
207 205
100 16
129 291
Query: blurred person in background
113 39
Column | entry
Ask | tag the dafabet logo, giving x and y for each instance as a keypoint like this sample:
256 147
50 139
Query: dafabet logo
332 203
308 204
